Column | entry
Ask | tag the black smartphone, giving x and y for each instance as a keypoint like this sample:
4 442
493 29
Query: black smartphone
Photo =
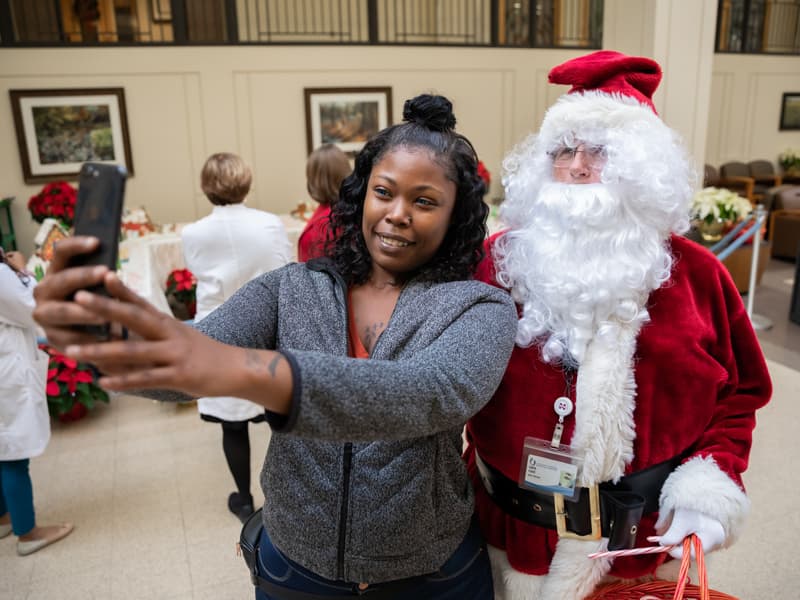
98 213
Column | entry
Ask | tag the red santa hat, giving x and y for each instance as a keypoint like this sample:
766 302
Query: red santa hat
610 72
610 90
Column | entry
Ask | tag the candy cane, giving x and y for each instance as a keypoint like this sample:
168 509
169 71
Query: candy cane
631 552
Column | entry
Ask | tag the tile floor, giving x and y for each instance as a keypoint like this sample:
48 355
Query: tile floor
146 485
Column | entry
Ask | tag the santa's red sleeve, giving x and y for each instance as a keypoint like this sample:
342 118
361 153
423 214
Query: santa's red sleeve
709 480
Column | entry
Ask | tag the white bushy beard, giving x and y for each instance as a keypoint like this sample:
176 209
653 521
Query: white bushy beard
582 263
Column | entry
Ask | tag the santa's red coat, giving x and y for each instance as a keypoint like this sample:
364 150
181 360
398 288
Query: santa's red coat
700 376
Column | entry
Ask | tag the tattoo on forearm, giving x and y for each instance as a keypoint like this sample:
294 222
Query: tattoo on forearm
254 361
273 365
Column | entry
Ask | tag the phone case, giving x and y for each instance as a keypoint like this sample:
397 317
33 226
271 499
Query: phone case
98 213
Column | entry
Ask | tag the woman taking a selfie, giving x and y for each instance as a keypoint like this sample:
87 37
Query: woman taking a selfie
368 361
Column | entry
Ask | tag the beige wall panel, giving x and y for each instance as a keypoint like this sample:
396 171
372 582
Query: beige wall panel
764 111
628 26
747 91
718 134
279 185
166 140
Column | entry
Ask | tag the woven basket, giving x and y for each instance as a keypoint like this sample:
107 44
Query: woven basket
664 590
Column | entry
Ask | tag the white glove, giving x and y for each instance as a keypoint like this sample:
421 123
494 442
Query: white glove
684 523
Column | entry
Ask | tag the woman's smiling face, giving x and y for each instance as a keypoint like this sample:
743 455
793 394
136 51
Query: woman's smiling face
407 211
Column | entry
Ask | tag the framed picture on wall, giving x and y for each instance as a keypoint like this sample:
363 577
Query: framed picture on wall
347 117
58 130
790 111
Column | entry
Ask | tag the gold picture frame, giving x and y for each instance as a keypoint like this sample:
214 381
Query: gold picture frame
346 116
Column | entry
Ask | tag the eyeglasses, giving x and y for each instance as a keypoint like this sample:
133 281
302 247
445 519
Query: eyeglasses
593 156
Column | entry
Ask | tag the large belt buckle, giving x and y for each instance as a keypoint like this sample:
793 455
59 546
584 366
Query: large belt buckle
594 511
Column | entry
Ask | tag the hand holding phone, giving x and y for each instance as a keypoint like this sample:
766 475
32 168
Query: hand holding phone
98 213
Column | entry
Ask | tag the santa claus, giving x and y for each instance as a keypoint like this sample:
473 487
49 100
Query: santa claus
636 374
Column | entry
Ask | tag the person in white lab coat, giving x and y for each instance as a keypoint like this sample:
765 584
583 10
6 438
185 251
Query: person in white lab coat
224 251
24 421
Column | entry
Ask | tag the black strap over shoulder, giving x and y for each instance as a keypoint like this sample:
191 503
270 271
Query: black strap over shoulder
248 542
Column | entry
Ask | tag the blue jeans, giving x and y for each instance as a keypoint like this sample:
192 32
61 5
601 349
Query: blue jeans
466 575
16 495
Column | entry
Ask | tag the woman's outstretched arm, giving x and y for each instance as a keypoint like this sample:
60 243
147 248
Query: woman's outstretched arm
162 352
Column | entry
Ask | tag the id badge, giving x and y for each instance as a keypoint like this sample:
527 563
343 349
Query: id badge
550 469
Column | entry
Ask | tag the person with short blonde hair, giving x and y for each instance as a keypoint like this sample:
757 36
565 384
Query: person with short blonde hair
225 179
326 168
224 251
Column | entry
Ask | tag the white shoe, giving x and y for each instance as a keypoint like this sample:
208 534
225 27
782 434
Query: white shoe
25 548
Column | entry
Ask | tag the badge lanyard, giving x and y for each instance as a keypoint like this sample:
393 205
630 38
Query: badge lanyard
563 407
549 466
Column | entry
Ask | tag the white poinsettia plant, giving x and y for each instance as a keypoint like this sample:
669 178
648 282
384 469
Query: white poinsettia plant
711 204
789 159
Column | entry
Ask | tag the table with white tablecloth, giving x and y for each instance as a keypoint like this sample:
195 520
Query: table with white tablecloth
146 262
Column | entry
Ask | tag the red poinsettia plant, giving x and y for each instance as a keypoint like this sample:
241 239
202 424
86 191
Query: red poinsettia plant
71 387
485 175
182 285
56 200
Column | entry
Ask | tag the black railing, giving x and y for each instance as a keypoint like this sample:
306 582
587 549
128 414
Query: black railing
759 26
515 23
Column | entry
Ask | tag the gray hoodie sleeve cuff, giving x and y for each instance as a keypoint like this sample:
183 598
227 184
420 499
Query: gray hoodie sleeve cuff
284 423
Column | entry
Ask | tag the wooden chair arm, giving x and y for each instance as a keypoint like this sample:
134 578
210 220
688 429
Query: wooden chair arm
773 179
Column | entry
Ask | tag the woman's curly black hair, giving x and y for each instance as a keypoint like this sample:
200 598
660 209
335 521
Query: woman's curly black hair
428 123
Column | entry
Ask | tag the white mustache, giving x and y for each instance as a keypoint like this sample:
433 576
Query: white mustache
589 204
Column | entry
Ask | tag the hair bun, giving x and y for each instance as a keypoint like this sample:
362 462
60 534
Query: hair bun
434 112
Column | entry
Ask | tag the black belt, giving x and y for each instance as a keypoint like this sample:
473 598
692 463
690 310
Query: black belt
621 505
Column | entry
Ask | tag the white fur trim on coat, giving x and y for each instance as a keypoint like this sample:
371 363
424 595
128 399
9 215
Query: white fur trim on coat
605 400
510 584
699 484
572 576
604 433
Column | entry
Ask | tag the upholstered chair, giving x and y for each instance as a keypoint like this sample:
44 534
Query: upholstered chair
763 171
784 223
742 185
740 169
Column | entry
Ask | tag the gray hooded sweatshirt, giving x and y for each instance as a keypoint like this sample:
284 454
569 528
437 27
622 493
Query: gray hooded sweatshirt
364 479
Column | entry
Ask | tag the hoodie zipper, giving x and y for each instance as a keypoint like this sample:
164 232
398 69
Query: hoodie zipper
347 451
347 461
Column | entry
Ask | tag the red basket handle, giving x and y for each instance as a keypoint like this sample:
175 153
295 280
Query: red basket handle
683 573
